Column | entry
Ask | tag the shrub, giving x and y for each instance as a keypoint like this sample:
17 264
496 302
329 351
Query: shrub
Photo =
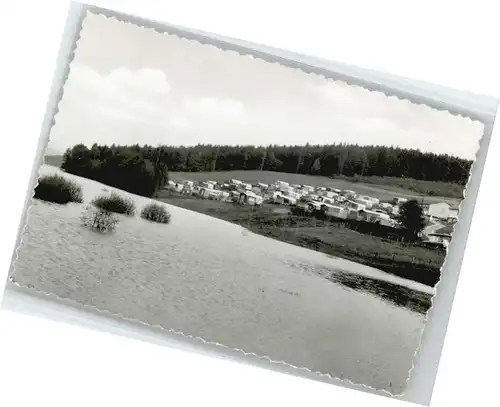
99 220
57 189
115 203
155 213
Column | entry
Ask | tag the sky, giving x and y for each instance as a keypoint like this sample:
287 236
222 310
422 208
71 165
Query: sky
129 84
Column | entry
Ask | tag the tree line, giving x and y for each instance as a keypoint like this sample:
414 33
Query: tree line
327 160
144 169
139 170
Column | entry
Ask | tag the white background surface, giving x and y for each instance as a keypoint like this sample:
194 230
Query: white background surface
60 364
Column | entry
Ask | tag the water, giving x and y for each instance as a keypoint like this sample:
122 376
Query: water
207 278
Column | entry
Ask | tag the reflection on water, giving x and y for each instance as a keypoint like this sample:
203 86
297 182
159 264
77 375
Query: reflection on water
398 295
408 296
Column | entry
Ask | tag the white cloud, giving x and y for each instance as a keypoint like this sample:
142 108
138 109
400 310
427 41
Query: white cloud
121 80
214 109
150 81
138 106
120 107
126 93
378 119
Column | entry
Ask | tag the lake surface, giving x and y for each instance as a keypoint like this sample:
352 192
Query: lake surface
212 279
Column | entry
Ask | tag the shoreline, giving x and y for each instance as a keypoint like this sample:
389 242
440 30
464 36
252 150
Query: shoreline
319 239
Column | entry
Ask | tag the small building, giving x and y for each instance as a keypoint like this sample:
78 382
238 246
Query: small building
281 184
335 211
328 194
245 187
282 199
399 200
204 192
178 187
355 206
374 201
249 198
387 208
214 194
314 205
439 210
234 196
375 217
368 203
274 196
348 193
352 214
293 194
206 184
324 199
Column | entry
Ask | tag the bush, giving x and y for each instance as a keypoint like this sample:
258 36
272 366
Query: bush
115 203
99 220
57 189
155 213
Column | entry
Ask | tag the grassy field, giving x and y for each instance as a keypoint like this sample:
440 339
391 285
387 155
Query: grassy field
422 187
411 262
384 188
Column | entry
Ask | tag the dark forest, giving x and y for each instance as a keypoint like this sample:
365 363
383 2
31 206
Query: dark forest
146 167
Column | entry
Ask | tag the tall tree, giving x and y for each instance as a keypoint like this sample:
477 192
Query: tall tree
411 217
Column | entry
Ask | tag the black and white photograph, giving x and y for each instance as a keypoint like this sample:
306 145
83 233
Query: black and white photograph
253 205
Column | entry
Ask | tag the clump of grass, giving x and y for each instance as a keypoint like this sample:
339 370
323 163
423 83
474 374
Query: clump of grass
99 220
155 213
115 203
57 189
